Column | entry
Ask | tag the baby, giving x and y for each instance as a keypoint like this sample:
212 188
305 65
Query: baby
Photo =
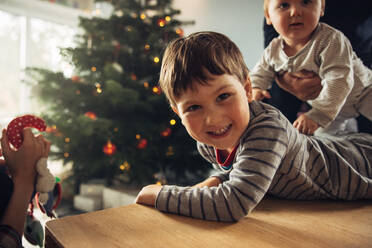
307 46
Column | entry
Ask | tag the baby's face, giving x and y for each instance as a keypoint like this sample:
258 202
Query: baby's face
295 20
217 113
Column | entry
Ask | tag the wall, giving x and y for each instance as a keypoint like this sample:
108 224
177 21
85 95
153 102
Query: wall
241 20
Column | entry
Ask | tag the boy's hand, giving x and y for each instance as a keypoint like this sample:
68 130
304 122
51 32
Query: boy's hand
148 194
259 94
305 125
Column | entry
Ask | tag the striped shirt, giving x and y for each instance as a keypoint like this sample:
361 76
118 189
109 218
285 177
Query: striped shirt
330 55
274 158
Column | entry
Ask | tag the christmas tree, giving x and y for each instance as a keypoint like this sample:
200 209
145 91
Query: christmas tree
110 119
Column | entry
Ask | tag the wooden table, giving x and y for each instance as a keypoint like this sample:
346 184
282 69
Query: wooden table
274 223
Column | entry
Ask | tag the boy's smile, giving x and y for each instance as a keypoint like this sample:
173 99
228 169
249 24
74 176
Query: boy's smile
216 113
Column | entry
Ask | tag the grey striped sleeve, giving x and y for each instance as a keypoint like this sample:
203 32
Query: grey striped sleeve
249 180
208 154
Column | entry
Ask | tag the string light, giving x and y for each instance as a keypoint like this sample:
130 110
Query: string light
156 90
143 16
146 84
170 151
161 23
67 140
138 136
93 68
156 59
168 18
66 154
125 166
172 122
99 89
147 47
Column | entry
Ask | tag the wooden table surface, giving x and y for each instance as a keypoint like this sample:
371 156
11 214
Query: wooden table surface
274 223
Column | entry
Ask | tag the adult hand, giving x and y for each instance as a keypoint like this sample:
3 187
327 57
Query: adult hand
148 194
258 94
304 85
21 163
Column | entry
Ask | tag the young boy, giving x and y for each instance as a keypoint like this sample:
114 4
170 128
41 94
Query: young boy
252 145
307 46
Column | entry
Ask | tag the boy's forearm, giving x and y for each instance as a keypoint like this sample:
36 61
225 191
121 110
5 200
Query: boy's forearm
209 182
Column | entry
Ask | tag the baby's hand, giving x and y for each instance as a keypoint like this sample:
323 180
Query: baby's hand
259 94
305 125
148 194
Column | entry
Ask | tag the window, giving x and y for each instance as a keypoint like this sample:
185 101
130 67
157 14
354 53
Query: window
31 33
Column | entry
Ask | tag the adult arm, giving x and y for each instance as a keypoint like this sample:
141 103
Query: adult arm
21 165
304 87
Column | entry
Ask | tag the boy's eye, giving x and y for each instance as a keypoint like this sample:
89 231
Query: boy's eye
192 108
283 5
223 97
306 2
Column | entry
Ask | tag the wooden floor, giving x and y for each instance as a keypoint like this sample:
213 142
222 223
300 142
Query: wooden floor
274 223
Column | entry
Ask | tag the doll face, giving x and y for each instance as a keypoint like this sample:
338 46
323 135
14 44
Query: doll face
217 113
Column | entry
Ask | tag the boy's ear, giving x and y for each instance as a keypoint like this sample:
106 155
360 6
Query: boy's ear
248 89
267 18
175 110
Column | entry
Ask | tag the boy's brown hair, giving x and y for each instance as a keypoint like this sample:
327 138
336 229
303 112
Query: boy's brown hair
186 60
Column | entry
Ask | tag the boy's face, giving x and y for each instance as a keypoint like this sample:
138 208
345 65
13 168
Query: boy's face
295 20
217 113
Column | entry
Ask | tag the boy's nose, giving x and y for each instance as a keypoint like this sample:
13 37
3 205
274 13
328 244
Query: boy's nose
211 119
296 10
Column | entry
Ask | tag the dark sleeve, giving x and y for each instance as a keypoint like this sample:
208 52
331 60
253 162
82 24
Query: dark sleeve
269 33
9 238
351 18
6 186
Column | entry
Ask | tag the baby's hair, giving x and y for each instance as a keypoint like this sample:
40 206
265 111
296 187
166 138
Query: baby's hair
188 59
266 3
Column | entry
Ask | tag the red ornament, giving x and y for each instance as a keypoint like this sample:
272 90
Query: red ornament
109 149
16 126
142 144
91 115
180 32
75 79
133 77
166 132
161 22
